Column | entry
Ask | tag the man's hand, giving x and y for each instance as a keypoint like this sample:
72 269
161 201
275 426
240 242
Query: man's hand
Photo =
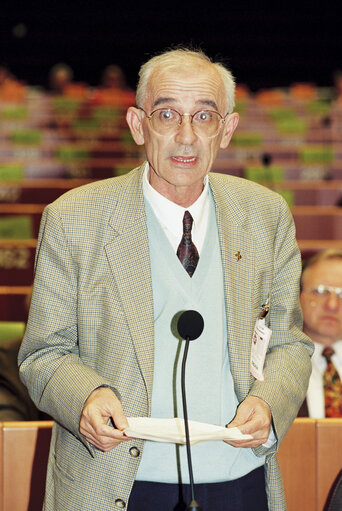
102 405
253 417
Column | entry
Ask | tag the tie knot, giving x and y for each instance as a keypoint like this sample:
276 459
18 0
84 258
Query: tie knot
187 222
328 353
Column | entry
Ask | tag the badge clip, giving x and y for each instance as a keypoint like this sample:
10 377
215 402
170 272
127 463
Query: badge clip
265 310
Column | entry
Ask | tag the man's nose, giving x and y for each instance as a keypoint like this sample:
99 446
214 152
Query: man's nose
185 133
333 301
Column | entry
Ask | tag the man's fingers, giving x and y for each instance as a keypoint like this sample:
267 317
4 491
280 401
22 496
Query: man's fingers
101 406
256 425
245 443
103 437
243 416
253 417
119 418
103 443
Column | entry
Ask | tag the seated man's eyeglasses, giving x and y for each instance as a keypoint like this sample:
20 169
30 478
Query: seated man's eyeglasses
323 292
166 121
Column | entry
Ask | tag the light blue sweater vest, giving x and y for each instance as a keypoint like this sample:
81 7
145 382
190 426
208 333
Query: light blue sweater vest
209 385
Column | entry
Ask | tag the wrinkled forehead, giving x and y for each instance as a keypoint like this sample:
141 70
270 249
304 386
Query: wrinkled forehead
194 81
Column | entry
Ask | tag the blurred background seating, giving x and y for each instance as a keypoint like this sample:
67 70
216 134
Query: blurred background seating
288 139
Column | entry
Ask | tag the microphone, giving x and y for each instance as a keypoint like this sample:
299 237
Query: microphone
190 326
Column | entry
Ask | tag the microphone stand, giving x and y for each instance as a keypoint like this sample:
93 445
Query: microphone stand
193 506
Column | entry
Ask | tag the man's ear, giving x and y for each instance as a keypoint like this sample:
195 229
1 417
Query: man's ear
133 118
231 123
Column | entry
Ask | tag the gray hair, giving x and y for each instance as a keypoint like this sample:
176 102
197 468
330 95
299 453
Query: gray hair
183 57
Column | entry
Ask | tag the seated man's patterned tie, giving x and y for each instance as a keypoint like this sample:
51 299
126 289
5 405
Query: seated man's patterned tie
332 386
187 252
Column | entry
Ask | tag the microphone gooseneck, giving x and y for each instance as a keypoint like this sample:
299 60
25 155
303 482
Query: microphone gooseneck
190 326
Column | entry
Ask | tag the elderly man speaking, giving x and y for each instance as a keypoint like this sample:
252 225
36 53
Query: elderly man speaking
116 261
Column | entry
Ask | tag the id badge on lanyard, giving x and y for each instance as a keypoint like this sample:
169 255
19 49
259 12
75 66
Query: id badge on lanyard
260 340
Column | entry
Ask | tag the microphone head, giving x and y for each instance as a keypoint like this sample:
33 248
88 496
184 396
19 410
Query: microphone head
190 325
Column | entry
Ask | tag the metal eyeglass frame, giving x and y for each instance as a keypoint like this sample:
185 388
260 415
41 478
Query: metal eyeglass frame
222 120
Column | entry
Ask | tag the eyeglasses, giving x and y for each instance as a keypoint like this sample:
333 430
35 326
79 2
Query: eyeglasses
323 292
166 121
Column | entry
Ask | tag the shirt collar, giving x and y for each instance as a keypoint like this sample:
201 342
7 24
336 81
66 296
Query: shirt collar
170 214
337 346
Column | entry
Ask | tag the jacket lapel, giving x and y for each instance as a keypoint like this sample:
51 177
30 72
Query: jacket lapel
128 257
237 251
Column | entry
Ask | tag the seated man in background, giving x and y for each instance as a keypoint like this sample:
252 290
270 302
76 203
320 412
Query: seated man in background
321 300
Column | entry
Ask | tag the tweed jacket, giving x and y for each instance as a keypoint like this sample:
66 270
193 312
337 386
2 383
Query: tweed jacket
91 324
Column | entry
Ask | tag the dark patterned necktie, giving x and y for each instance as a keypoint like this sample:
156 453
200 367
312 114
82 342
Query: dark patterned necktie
332 386
187 252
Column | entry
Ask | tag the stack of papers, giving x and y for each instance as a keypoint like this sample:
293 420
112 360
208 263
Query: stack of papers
172 430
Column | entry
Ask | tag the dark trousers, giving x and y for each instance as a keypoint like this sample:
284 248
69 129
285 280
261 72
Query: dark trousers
244 494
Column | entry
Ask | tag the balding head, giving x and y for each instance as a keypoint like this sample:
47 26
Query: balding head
183 58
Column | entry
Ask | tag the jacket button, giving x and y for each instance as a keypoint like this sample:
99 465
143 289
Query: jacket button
120 504
134 452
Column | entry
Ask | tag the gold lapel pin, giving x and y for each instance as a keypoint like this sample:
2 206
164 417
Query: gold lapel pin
238 255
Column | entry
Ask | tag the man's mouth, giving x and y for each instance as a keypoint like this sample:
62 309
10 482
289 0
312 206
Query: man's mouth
327 317
183 159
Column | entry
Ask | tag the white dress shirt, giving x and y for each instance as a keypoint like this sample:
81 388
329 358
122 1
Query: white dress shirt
315 394
170 215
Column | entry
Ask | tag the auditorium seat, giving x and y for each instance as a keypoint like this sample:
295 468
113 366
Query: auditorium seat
11 330
37 191
297 459
310 462
318 222
17 262
16 226
11 212
309 248
24 448
13 301
329 449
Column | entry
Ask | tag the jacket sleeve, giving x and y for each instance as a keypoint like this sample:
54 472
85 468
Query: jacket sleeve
287 366
50 366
